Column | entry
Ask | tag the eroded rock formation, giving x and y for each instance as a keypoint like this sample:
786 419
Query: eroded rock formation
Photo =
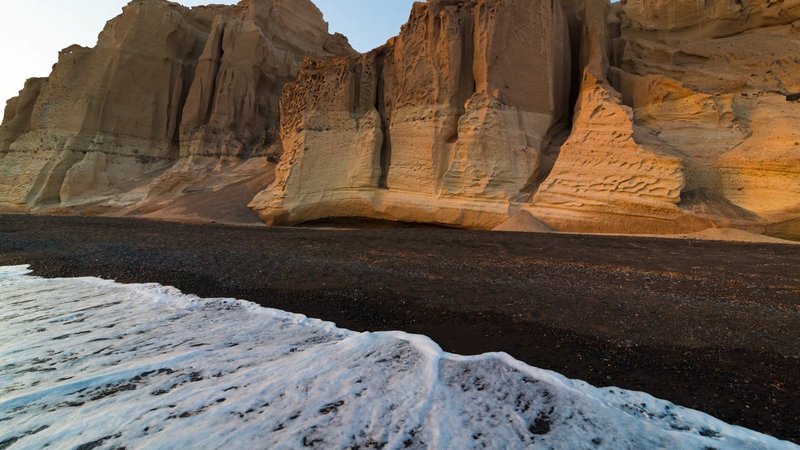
643 116
704 86
608 177
167 88
681 119
714 81
446 123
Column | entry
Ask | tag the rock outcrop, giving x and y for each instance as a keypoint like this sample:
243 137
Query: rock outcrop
680 119
643 116
164 84
714 81
609 176
703 135
446 123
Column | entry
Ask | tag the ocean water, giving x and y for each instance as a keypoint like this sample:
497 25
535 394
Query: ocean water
87 363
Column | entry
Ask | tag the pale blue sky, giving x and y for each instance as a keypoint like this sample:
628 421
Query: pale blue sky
33 31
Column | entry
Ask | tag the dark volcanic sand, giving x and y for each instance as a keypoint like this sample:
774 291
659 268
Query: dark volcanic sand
708 325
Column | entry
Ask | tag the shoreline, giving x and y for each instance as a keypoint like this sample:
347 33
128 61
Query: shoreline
707 325
721 234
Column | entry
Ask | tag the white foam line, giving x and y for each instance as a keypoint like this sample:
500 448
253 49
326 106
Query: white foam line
145 366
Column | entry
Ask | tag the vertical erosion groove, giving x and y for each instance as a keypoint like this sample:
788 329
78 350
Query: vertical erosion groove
358 70
466 77
576 29
558 135
217 65
381 107
188 73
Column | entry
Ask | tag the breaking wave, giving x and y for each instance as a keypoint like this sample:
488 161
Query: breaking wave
87 363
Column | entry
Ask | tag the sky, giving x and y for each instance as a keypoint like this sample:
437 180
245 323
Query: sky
34 31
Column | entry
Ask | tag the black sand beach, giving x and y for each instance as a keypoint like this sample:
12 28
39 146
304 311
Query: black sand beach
708 325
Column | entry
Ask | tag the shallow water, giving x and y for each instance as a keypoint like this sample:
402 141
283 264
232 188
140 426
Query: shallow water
87 363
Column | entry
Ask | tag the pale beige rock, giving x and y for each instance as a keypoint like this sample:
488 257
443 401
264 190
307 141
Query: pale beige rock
708 137
446 123
94 101
607 180
645 116
17 119
163 84
608 177
785 229
732 234
190 191
232 106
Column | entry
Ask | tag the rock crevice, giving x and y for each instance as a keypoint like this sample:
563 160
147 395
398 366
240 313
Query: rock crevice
169 94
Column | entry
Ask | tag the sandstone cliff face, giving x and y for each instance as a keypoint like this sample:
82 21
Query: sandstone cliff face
233 103
609 175
446 123
676 114
713 80
164 83
703 137
644 116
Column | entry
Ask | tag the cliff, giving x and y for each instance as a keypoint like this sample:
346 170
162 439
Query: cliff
667 117
167 95
446 123
702 92
644 116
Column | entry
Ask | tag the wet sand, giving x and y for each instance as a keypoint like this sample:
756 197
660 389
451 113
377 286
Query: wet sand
708 325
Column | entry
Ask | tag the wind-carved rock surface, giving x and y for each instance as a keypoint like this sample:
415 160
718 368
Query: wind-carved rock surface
168 98
446 123
680 120
609 175
713 80
645 116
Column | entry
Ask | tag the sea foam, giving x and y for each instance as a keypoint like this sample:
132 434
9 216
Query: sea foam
88 363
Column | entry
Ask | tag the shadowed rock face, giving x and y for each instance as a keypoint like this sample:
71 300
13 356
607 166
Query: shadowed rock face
164 83
645 116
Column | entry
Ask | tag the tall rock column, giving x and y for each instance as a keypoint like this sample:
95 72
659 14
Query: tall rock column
18 116
521 74
332 140
456 110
